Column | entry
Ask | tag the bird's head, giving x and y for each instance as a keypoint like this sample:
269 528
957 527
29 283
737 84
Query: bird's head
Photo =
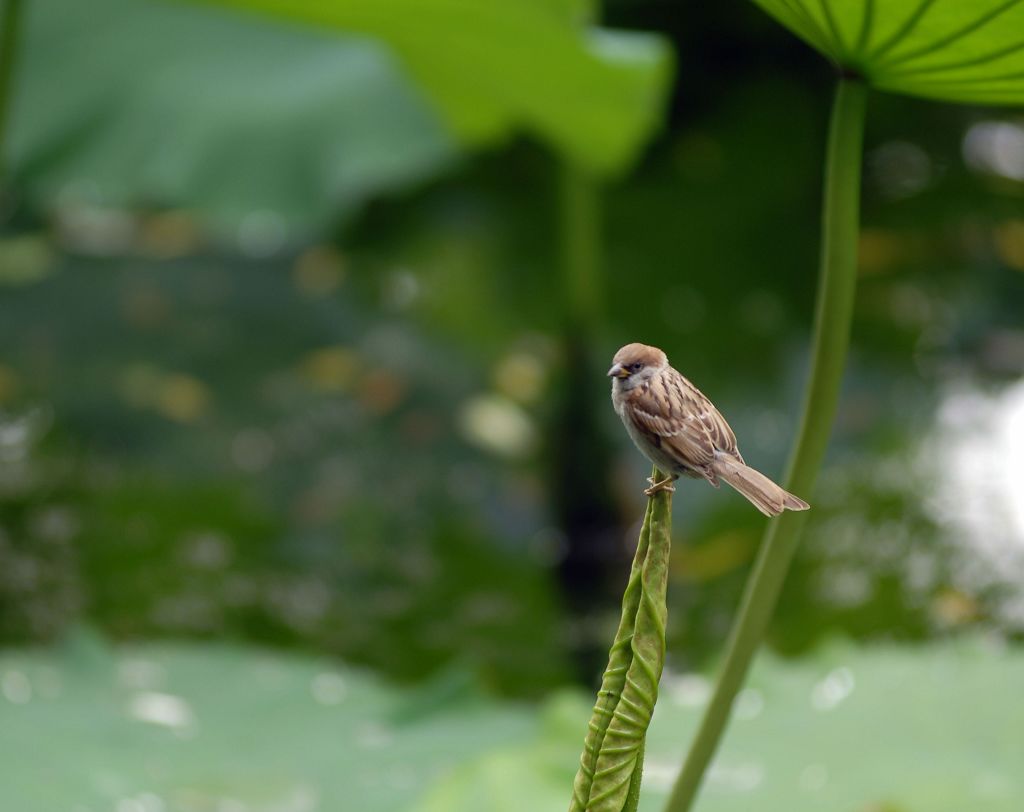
636 363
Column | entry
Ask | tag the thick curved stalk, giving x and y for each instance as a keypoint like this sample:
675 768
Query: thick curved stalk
581 247
608 779
837 284
10 29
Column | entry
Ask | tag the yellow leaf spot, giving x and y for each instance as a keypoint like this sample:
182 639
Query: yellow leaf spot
520 376
170 234
1010 243
381 392
879 250
182 398
8 383
24 259
318 271
330 369
716 557
952 608
139 385
145 307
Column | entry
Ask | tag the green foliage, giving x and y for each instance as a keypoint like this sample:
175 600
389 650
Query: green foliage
848 729
219 727
155 558
155 525
249 122
221 114
102 345
943 49
203 727
498 66
10 32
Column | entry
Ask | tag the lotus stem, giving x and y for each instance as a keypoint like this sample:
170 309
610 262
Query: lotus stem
834 310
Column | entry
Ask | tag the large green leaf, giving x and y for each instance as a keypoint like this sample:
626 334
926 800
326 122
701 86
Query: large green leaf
197 728
887 729
495 66
128 102
957 50
200 727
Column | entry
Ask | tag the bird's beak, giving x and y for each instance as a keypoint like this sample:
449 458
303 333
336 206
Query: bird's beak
618 371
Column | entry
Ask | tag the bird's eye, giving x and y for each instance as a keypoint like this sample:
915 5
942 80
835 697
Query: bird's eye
636 367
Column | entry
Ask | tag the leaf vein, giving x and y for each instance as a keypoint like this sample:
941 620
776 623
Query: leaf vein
840 48
959 34
908 25
992 56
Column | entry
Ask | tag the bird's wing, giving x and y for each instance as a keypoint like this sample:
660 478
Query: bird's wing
682 420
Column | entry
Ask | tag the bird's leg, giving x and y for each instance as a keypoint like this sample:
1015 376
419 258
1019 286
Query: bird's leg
664 485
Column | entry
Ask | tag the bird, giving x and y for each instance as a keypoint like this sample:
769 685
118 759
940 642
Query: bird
678 429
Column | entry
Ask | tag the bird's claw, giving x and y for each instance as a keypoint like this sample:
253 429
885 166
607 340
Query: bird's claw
664 485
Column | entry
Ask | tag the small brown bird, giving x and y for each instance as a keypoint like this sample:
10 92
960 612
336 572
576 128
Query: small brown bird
681 432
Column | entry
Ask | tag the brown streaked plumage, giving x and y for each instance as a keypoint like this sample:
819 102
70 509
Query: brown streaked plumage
681 432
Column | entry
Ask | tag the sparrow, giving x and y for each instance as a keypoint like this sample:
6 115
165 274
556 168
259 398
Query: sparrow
679 430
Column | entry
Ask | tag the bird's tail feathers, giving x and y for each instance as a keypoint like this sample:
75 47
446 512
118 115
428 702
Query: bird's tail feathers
762 493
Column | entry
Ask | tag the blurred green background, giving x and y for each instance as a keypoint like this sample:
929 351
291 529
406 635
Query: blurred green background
311 495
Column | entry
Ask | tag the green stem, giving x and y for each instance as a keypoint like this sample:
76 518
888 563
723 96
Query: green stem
836 289
10 28
581 248
581 229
